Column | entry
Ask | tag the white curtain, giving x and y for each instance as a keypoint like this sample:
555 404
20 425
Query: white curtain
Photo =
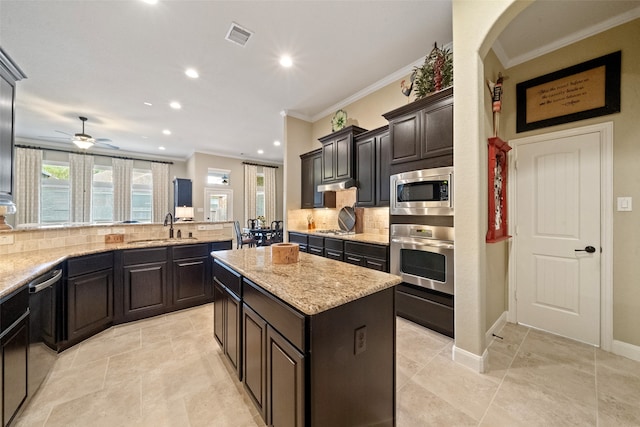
250 190
28 170
160 177
122 170
80 177
270 194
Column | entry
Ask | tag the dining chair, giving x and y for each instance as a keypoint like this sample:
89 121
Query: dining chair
242 238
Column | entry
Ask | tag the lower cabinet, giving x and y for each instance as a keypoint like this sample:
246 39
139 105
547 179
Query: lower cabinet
191 276
254 357
144 283
89 296
316 245
14 341
227 310
334 249
301 239
375 257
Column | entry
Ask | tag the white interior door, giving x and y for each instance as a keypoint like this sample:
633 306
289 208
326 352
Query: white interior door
558 217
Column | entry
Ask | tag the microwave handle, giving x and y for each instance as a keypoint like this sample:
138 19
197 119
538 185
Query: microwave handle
432 245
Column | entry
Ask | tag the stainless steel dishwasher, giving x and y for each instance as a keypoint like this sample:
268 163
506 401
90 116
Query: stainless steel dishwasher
44 294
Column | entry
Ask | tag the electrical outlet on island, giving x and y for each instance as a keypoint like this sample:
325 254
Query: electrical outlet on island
360 340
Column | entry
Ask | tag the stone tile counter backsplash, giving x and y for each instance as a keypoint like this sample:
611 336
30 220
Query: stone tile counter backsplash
58 237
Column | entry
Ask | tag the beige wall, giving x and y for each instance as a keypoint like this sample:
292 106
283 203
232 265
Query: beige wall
197 169
626 153
298 140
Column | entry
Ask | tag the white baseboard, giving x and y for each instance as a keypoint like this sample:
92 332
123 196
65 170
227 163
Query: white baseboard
472 361
625 349
502 320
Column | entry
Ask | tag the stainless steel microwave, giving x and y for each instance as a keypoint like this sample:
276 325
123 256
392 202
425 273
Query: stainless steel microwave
422 192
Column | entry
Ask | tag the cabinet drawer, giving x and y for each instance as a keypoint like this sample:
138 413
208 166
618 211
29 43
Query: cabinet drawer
353 259
144 256
334 244
227 277
284 319
316 241
336 255
375 251
89 264
190 251
316 250
376 264
302 239
222 246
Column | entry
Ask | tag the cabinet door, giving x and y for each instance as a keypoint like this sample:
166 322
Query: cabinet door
320 199
145 290
191 282
15 348
308 194
328 161
6 134
405 134
219 302
232 331
343 157
254 357
366 172
383 169
89 304
285 382
438 130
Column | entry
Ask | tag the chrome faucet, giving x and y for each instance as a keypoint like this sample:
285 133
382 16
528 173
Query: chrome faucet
169 218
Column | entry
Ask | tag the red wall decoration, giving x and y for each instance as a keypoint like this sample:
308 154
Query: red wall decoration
498 215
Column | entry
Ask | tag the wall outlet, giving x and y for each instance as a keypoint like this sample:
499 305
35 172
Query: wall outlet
117 231
6 239
625 204
202 227
360 340
104 231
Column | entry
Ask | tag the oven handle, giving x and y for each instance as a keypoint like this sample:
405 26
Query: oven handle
432 245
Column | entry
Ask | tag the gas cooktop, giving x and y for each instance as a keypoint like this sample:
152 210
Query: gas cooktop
336 232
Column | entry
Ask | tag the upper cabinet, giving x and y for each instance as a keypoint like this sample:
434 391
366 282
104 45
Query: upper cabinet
373 158
422 133
10 73
311 168
337 154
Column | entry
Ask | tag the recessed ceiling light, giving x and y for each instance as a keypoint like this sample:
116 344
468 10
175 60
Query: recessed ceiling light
286 61
276 143
161 148
148 104
166 132
190 72
175 105
260 151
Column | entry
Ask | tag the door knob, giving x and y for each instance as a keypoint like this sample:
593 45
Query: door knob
588 249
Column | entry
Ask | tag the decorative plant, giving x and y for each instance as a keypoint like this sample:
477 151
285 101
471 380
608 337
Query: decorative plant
435 74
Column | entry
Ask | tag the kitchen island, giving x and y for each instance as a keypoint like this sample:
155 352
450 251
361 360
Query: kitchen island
313 342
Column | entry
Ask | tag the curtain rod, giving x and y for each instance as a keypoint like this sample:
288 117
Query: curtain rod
60 150
260 164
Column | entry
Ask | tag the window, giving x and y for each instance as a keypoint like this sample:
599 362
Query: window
260 211
218 176
218 204
54 192
102 194
141 195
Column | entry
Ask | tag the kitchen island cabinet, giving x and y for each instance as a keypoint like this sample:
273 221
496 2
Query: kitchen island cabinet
312 334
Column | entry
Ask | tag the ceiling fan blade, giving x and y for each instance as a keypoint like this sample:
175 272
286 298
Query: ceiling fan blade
100 143
103 140
65 133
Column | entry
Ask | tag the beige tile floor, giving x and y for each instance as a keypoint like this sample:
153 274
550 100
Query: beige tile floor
168 371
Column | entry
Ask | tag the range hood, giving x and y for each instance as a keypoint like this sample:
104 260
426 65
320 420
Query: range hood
337 185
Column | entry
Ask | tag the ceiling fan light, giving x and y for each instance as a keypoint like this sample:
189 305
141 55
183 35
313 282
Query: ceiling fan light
83 141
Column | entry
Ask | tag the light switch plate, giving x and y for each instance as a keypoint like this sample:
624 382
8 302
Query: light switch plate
625 204
6 239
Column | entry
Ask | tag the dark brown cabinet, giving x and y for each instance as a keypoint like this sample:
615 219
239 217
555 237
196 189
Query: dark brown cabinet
191 275
373 162
375 257
14 342
10 73
338 159
227 309
301 239
311 170
254 357
144 282
422 133
89 295
316 245
334 248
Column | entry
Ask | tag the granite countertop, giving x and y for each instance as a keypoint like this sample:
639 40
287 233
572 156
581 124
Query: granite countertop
312 285
18 269
377 239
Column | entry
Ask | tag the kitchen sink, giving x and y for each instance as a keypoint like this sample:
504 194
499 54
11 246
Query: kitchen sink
159 241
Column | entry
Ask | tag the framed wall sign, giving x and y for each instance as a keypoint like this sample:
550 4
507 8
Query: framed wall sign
586 90
498 215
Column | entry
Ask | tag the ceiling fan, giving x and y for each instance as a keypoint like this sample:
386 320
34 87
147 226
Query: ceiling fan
86 141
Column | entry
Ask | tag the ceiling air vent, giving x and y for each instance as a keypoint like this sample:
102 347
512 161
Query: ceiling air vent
238 34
